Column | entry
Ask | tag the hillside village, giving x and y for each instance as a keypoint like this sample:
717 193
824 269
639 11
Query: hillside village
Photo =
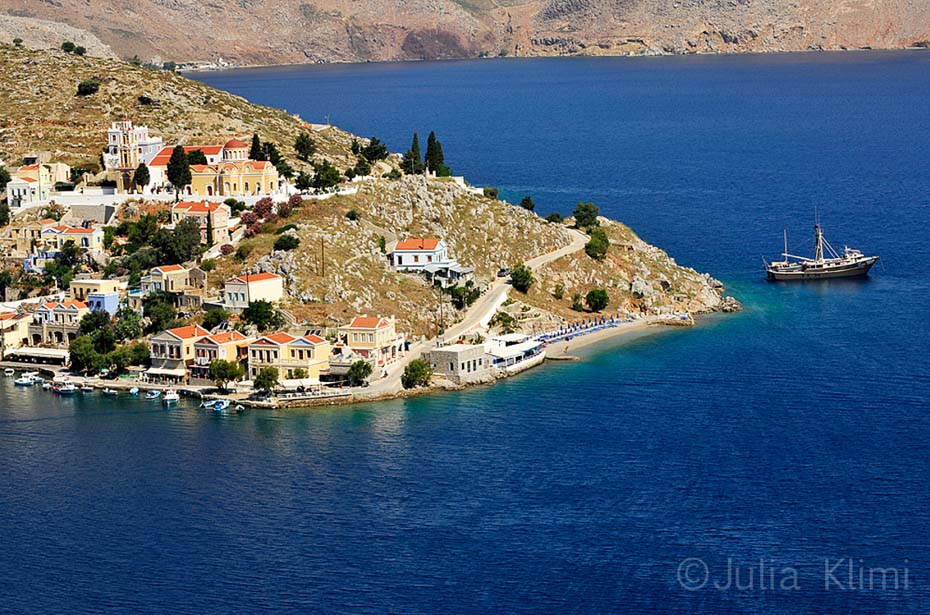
295 267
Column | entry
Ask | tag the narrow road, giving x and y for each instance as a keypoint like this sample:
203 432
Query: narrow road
477 317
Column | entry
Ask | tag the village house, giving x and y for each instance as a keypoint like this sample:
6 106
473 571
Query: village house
241 290
228 173
185 286
288 354
108 302
57 324
371 338
53 238
459 363
14 331
227 346
172 352
23 239
32 183
81 288
211 217
429 257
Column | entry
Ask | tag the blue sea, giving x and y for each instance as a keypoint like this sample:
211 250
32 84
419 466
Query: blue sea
776 461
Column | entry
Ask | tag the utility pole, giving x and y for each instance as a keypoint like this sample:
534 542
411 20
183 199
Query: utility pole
322 259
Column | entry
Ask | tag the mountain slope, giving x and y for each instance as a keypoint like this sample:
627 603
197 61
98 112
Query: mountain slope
282 31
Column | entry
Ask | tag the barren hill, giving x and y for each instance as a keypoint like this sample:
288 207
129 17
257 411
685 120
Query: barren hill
293 31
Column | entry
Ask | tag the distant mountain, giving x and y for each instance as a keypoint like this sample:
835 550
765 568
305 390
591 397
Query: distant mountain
292 31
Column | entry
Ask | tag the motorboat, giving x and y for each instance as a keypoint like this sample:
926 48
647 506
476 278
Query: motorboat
9 371
67 388
110 392
26 380
134 391
171 397
153 395
221 405
86 388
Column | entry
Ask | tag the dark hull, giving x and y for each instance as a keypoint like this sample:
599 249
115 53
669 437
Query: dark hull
856 270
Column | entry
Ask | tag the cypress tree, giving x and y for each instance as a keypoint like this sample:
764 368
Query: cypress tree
256 152
435 161
179 170
141 177
209 228
413 163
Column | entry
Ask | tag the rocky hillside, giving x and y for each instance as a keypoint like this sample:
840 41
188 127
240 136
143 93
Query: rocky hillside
291 31
43 111
339 269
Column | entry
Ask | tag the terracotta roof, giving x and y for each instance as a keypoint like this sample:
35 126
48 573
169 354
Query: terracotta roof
73 230
27 179
235 144
168 268
197 206
50 306
48 221
314 339
369 322
258 164
31 167
161 158
200 168
417 244
186 333
224 338
255 277
73 304
278 339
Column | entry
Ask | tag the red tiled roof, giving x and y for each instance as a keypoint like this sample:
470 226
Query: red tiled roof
278 339
161 158
50 306
168 268
75 304
314 339
255 277
368 322
73 230
224 338
235 144
28 179
417 244
31 167
197 207
48 221
186 333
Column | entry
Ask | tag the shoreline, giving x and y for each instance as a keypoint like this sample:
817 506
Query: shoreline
226 69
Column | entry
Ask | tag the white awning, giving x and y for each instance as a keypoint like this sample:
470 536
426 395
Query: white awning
161 371
45 353
516 350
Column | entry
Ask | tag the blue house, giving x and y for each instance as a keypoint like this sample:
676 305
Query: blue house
106 301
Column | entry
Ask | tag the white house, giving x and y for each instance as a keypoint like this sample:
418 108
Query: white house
241 290
415 254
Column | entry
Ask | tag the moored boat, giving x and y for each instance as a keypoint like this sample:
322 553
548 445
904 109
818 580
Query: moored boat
171 397
134 391
9 371
26 380
153 395
110 392
66 388
852 263
221 405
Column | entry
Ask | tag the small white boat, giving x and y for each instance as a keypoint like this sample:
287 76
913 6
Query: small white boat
38 379
134 391
24 381
86 388
221 405
9 371
110 392
46 385
153 395
171 397
66 389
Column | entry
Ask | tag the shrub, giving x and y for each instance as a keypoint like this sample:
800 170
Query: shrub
382 244
214 318
492 193
286 228
527 203
79 50
88 87
555 218
586 215
522 278
248 218
597 299
559 291
67 46
597 246
359 372
226 249
394 174
264 207
284 209
295 201
286 242
577 304
352 215
208 264
242 253
416 374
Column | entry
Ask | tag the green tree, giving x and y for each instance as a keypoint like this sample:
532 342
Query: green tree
577 302
18 42
94 321
359 372
84 356
527 203
586 215
491 192
266 380
196 157
416 374
4 213
142 232
256 152
88 87
4 178
214 318
522 278
559 291
261 314
128 325
375 150
597 299
304 146
464 296
327 176
598 244
79 50
223 372
179 170
180 245
362 168
141 177
304 181
160 312
555 218
413 159
286 242
67 47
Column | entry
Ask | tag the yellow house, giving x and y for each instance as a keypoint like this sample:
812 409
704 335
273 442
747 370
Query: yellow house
374 338
287 354
227 346
167 278
172 351
228 172
79 289
14 331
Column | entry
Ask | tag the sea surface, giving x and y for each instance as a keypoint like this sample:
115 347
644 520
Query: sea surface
788 445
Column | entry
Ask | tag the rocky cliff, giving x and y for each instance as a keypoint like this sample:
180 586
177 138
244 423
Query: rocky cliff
293 31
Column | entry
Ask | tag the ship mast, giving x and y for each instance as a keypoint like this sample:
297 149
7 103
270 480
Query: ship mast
818 232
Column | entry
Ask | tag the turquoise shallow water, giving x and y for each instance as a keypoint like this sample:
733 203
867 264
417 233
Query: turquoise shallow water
794 433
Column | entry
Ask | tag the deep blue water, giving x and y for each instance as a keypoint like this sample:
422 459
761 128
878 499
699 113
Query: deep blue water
795 433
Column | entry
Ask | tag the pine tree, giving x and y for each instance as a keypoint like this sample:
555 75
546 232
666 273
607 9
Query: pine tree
179 170
413 163
256 152
304 146
209 228
141 177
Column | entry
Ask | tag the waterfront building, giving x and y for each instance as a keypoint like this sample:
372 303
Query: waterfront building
288 354
241 290
57 324
14 331
370 338
172 352
459 363
225 346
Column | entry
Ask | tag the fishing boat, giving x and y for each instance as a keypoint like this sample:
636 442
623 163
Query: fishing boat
66 388
110 392
153 395
9 371
171 397
134 391
827 263
26 380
